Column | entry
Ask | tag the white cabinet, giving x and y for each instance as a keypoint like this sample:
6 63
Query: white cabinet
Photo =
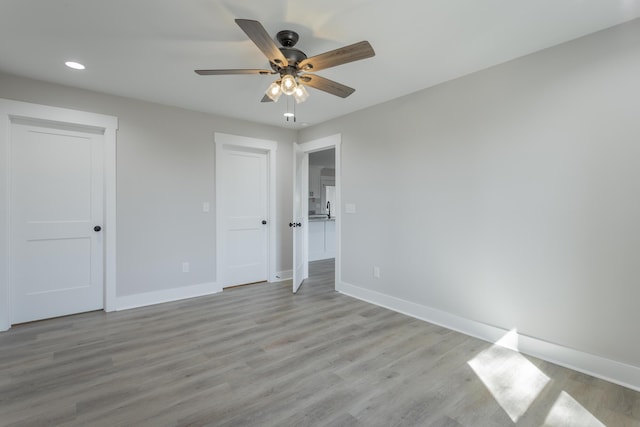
330 239
322 240
316 240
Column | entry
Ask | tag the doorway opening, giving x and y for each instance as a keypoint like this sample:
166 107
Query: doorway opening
317 207
321 217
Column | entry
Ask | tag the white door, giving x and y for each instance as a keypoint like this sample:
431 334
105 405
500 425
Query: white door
56 201
300 208
244 211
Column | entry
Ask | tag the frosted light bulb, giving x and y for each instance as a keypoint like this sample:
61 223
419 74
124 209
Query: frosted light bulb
288 84
300 94
274 92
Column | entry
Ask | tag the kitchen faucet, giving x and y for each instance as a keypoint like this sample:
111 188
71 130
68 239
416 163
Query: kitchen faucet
328 209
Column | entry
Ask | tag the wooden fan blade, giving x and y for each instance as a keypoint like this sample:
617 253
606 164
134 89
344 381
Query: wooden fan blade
258 35
266 99
232 71
354 52
326 85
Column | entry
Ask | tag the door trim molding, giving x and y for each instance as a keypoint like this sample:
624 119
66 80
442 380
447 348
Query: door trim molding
269 148
22 111
321 144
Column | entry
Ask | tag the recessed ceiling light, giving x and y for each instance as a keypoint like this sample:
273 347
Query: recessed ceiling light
74 65
289 114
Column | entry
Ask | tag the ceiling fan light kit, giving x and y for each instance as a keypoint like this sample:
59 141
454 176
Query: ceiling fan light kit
293 65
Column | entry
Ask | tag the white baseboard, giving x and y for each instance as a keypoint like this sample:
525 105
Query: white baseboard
600 367
166 295
281 276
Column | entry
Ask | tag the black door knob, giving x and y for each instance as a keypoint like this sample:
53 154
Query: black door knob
97 228
298 224
291 224
264 222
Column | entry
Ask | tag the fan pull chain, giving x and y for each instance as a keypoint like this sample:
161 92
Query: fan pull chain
288 114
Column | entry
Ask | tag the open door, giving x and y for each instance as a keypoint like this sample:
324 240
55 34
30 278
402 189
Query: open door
300 208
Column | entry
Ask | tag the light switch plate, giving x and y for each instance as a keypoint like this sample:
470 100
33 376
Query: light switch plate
206 207
350 208
376 272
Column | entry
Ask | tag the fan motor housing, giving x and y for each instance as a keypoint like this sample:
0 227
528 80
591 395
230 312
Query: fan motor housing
288 39
293 55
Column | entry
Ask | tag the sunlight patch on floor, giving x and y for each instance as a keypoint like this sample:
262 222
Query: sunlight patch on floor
515 383
567 412
513 380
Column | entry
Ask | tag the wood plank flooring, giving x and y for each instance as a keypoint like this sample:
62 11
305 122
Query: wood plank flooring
261 356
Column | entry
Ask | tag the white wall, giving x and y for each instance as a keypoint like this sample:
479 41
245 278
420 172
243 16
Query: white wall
165 171
510 197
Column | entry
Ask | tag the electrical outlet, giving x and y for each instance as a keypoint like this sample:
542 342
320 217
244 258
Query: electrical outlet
185 267
376 272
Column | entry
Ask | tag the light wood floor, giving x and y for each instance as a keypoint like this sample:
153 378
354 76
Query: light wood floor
260 356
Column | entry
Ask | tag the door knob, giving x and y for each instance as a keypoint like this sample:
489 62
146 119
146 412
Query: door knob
291 224
264 222
295 224
97 228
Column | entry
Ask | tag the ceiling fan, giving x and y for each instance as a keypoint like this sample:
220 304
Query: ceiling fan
293 66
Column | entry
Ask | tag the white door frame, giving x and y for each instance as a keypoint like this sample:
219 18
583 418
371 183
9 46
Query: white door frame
107 125
333 141
269 148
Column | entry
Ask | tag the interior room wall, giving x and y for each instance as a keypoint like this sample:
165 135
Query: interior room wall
510 197
165 171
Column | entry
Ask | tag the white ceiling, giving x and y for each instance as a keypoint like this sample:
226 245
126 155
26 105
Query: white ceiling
148 49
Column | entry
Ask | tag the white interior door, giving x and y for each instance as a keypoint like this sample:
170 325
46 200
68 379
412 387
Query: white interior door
56 201
300 208
244 214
